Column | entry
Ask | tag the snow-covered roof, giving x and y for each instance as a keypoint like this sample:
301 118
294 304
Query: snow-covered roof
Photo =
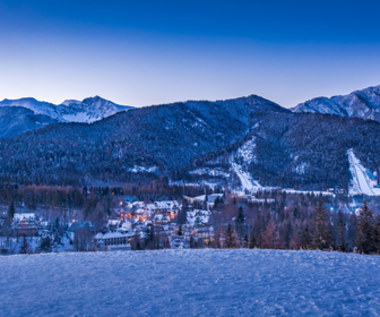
198 215
113 222
126 226
138 204
110 235
210 198
262 200
26 215
158 217
164 204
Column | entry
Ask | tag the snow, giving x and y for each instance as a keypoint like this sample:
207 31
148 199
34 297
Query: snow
38 107
200 183
307 192
246 155
361 183
27 215
301 168
215 172
190 283
361 103
212 185
182 183
247 151
88 110
143 169
163 204
261 200
210 198
247 182
110 235
197 216
78 117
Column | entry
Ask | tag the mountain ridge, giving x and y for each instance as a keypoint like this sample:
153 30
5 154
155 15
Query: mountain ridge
364 104
92 108
248 140
169 137
88 110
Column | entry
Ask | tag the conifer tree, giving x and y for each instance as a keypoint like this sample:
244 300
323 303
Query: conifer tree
230 237
11 210
149 241
192 242
377 235
45 244
351 231
180 232
24 245
306 239
252 240
269 236
181 218
240 223
245 241
7 228
205 203
136 245
322 237
341 234
365 238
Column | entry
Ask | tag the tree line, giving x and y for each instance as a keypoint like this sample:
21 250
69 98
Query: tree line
297 227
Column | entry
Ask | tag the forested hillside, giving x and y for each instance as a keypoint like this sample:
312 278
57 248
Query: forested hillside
298 150
159 140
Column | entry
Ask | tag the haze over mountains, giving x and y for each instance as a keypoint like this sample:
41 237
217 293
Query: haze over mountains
243 142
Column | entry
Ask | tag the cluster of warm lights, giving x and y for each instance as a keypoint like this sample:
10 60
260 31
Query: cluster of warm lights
129 215
141 218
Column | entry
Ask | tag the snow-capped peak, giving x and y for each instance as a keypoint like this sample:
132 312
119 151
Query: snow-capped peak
88 110
38 107
363 104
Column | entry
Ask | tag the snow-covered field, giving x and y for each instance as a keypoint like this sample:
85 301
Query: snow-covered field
190 283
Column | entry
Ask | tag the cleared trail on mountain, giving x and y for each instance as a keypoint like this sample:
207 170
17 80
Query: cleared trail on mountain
361 182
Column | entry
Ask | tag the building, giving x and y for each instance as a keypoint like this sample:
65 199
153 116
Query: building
25 228
113 240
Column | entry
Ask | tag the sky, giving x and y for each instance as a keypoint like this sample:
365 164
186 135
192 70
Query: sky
150 52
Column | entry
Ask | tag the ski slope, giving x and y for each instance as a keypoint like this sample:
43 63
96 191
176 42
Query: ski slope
361 183
252 186
190 283
247 183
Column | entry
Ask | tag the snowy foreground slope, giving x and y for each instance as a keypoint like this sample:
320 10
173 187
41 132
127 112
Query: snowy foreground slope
190 282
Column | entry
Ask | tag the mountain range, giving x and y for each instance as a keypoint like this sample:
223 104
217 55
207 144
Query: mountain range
243 142
364 104
32 114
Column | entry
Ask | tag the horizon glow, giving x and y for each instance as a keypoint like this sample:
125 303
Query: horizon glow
143 52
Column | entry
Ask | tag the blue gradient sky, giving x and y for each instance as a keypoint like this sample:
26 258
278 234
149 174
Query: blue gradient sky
149 52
